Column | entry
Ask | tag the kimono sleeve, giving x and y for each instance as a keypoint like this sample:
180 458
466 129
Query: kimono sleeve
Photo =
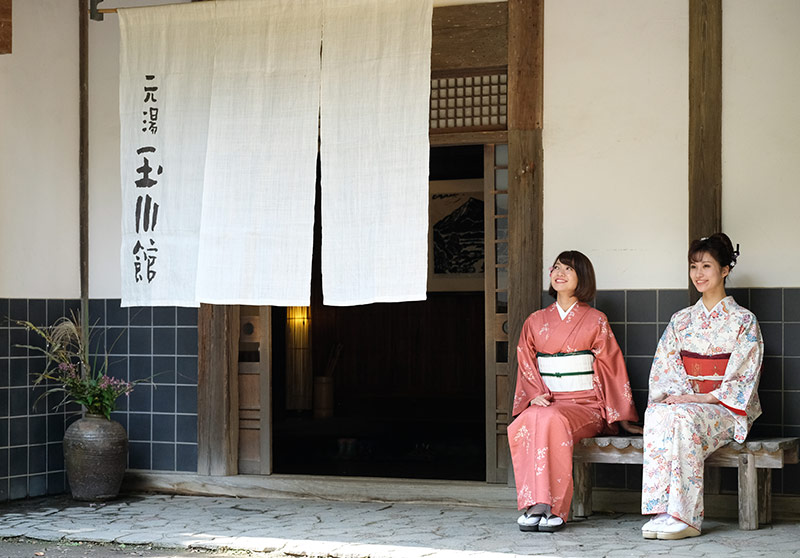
610 371
667 375
744 368
529 382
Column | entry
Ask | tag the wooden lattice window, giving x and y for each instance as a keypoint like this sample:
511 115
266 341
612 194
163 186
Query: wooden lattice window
5 26
472 102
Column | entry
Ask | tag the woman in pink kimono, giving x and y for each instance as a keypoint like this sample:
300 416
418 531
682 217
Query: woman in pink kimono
703 393
571 384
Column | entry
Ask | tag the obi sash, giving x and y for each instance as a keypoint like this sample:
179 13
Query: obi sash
567 371
705 372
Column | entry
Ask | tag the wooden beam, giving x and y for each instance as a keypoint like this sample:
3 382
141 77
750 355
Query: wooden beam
5 26
217 390
471 36
412 491
525 157
445 3
436 4
705 119
469 138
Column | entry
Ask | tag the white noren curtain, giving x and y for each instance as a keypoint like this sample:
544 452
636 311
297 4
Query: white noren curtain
220 114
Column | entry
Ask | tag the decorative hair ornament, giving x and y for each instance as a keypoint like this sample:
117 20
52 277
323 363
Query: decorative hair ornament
734 257
704 239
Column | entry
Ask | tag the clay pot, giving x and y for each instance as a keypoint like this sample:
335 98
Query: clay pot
96 454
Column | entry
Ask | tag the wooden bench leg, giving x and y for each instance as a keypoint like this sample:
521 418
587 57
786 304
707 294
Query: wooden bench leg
712 480
748 493
582 493
764 495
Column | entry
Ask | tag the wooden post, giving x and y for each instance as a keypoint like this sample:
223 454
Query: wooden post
582 494
5 27
748 493
712 480
765 495
265 363
525 156
217 390
83 160
705 120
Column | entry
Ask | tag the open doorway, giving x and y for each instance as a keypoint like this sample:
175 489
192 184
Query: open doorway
386 390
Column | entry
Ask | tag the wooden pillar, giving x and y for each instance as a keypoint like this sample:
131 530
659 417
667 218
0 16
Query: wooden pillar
217 390
582 495
712 480
5 26
83 159
705 119
748 493
764 489
525 108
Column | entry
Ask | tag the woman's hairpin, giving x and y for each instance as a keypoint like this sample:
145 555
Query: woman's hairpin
734 256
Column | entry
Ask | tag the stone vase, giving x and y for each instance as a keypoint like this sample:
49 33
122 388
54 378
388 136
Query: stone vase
95 455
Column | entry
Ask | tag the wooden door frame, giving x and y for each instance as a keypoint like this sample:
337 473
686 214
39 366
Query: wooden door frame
217 390
254 383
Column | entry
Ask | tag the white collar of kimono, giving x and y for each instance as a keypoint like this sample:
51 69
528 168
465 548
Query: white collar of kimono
563 313
705 311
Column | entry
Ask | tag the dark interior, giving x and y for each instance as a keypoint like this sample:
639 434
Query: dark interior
408 384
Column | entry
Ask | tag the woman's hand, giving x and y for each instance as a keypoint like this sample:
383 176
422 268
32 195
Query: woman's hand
630 427
542 400
690 398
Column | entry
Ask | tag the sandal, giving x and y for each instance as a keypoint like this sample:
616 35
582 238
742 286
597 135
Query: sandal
551 524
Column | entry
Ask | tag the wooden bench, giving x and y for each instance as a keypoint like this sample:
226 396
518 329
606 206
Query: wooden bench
755 460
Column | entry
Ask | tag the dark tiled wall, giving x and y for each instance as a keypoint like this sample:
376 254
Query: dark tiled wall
158 345
31 459
161 416
638 319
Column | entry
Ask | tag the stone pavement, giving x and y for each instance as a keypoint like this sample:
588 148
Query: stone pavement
335 529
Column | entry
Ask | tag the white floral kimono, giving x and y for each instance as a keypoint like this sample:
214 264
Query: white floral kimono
679 437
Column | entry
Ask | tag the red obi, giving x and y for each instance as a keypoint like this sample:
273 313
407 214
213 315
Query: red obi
705 372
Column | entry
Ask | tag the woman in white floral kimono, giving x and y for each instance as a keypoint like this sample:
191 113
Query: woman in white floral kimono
703 393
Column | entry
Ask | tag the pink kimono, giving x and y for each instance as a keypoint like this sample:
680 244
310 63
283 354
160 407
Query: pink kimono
541 438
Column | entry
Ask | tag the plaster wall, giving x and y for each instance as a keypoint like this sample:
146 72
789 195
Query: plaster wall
616 138
39 227
761 139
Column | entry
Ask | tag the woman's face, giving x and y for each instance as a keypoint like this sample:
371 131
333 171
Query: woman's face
563 278
706 273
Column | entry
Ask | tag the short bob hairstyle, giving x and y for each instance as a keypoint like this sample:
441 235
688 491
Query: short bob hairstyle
587 286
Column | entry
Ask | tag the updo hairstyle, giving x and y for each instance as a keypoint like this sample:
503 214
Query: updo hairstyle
719 246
